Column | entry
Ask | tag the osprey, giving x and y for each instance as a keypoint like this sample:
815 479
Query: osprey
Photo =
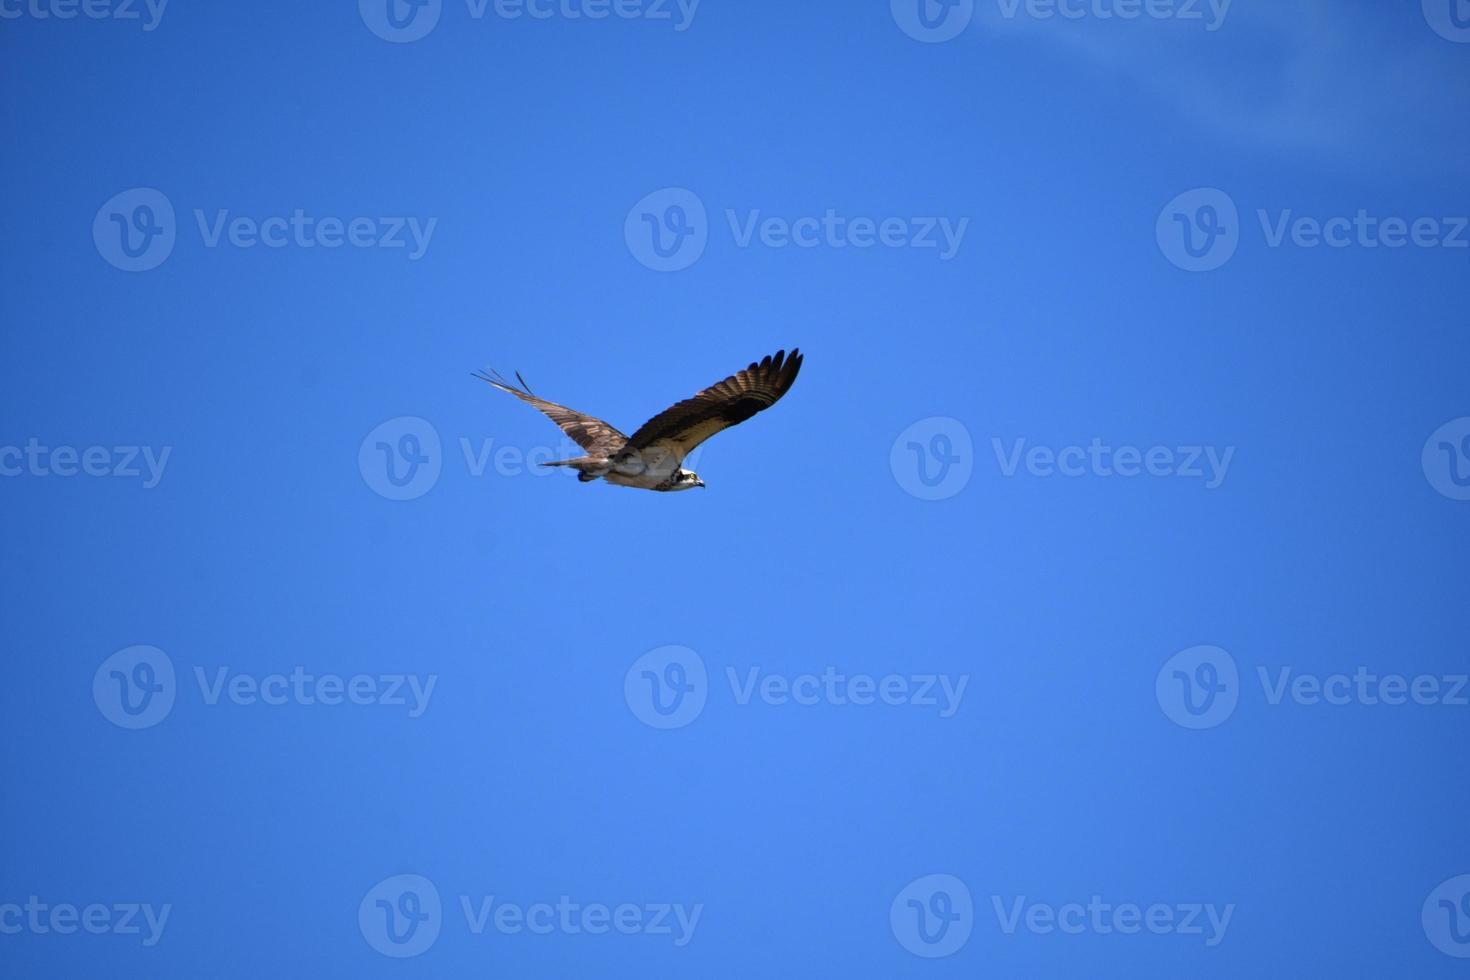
652 458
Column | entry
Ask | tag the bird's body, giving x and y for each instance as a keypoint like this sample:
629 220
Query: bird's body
652 458
645 471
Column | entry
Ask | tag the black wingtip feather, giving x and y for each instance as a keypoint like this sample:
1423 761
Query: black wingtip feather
494 377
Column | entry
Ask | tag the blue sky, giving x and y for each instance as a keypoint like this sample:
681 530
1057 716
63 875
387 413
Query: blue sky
1092 606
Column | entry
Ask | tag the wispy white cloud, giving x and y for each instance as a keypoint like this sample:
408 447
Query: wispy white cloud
1357 85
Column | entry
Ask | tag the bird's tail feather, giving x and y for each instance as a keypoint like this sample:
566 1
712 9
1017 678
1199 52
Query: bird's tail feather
587 467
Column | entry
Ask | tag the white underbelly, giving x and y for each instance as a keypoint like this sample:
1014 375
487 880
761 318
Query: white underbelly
648 469
644 481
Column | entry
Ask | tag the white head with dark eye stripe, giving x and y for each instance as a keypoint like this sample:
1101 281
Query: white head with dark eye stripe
685 479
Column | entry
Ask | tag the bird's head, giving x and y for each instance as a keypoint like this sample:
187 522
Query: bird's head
685 479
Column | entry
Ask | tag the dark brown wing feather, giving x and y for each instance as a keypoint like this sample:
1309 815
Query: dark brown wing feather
683 426
592 434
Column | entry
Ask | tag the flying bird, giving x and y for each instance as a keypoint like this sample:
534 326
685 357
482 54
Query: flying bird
653 457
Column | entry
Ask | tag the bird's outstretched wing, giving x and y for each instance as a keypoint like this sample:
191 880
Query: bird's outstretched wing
592 434
681 427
